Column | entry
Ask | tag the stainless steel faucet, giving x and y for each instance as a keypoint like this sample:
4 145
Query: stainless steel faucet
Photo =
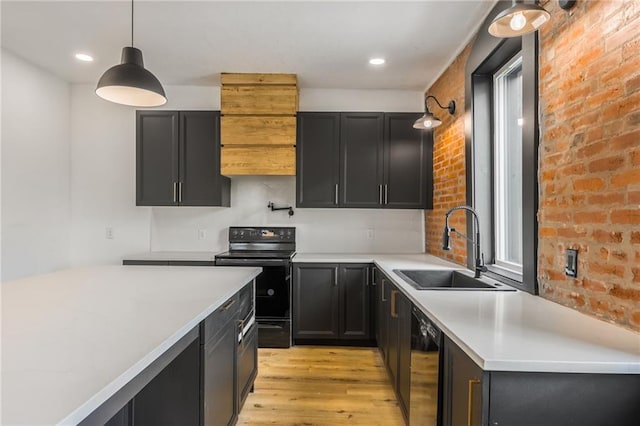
479 260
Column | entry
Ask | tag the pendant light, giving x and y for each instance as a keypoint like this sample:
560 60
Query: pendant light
428 120
129 83
518 20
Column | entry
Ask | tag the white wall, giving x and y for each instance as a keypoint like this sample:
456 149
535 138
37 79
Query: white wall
103 173
103 187
318 230
35 170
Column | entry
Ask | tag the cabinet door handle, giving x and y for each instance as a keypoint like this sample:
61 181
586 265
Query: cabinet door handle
175 192
386 194
394 313
373 277
380 194
472 383
180 191
336 195
368 276
335 277
229 305
382 291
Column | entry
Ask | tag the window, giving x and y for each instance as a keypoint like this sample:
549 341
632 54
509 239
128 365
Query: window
501 153
507 166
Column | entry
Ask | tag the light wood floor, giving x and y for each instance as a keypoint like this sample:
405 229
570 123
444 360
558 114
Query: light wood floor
311 385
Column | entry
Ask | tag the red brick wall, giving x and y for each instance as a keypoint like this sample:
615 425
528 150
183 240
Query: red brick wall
589 158
449 187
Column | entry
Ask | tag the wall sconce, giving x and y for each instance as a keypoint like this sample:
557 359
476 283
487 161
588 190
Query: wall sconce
428 120
521 19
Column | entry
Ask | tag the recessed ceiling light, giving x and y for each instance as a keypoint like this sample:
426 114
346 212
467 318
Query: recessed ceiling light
377 61
84 57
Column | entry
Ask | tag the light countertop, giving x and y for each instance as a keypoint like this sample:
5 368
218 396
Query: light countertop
510 331
71 339
188 256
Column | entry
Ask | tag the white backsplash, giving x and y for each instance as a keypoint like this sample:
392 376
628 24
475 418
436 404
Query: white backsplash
318 230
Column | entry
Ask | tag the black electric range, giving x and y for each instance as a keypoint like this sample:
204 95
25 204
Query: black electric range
271 248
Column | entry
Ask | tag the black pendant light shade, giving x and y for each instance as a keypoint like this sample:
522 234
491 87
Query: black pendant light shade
129 83
518 20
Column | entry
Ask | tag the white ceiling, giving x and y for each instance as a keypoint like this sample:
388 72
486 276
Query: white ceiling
327 43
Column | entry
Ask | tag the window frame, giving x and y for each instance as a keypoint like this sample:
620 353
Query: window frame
501 266
487 54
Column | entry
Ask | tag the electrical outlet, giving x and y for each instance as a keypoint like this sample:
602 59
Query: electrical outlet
571 268
202 234
371 234
108 233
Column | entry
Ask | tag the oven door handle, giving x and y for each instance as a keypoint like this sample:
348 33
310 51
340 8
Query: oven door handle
251 262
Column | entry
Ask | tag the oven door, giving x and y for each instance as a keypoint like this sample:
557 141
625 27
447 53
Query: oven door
273 293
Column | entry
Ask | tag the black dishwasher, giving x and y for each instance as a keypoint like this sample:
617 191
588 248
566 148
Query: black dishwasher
426 359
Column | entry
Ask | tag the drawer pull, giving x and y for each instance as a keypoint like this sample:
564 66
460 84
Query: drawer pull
394 313
229 305
472 382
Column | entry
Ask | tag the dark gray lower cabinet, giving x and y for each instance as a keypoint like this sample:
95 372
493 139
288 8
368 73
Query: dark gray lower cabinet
173 396
206 383
247 368
472 396
219 391
462 388
394 338
316 305
331 301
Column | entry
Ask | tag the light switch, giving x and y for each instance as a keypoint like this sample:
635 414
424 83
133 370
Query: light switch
571 267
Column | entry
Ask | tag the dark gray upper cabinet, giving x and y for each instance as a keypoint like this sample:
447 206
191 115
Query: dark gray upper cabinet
361 159
157 153
318 159
178 159
408 167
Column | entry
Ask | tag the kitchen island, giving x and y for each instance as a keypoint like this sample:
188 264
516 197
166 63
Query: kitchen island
71 340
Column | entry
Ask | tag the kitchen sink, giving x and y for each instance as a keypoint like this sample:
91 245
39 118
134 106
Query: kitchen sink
421 279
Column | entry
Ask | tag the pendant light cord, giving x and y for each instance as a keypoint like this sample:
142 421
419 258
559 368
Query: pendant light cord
131 23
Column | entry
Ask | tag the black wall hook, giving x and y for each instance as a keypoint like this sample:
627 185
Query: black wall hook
273 208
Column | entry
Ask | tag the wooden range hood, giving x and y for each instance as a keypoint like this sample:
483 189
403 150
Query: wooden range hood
258 127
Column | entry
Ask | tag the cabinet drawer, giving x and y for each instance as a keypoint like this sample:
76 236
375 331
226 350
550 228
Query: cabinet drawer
219 320
259 100
258 160
260 130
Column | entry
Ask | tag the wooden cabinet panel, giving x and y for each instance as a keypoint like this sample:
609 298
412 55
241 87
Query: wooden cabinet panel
253 78
259 100
258 160
259 124
258 130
